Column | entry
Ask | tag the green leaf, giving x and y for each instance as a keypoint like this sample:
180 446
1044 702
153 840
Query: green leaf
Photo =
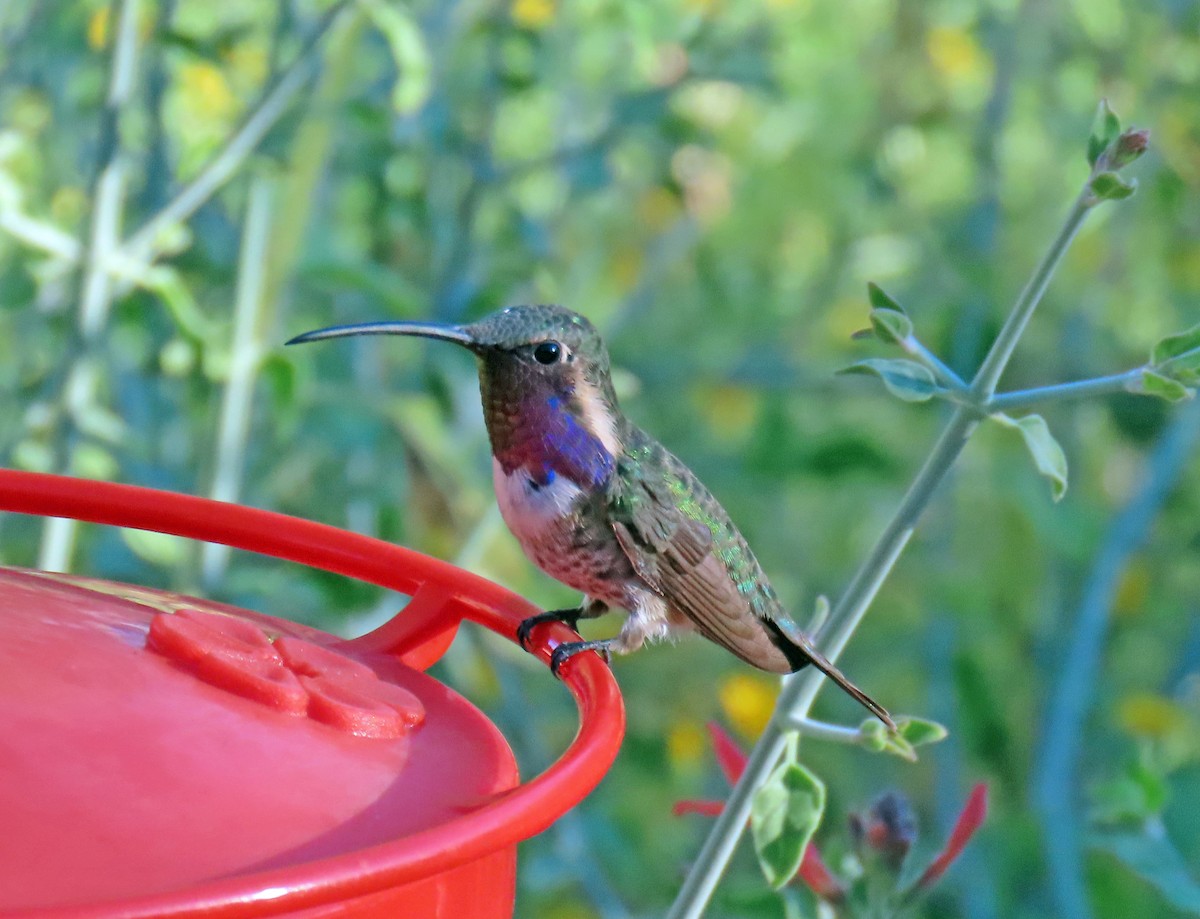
783 817
898 746
881 300
1154 383
1106 127
157 548
921 731
414 79
1047 455
1155 860
891 326
1108 186
1138 795
889 322
33 455
873 736
94 461
1182 352
907 380
280 374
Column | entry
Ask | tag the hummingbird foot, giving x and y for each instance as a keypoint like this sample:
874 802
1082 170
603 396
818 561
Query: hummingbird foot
569 617
568 650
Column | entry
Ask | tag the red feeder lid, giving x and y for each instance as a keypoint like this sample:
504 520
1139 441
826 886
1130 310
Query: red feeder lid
167 756
152 741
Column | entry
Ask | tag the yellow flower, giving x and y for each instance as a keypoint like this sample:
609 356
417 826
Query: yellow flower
248 61
657 208
686 743
206 89
97 29
748 701
954 52
1132 590
532 14
1149 715
731 411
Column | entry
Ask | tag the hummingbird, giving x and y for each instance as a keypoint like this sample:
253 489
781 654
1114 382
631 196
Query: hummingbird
603 507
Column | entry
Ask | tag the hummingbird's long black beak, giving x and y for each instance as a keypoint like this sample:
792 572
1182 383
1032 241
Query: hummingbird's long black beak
454 333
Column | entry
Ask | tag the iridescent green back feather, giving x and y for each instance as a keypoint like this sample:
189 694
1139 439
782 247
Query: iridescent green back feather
683 544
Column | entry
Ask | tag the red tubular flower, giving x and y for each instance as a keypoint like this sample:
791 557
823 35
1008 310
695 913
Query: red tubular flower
819 878
970 819
707 808
730 757
732 761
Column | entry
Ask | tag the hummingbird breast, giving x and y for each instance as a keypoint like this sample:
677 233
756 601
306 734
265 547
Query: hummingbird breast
557 526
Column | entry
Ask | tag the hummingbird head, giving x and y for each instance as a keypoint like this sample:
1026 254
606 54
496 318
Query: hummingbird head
546 385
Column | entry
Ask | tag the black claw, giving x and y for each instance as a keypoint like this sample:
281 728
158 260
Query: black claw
563 652
525 630
557 659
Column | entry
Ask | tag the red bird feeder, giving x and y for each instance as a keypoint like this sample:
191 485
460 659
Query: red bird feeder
167 756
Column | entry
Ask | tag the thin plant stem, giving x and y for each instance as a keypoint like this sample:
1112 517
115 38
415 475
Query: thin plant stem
41 235
130 260
943 372
799 693
823 730
240 145
95 290
246 353
1079 389
990 371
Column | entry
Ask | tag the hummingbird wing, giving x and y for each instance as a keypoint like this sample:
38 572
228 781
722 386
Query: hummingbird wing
682 544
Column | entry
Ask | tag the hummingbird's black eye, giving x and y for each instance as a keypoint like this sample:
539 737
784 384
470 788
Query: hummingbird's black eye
547 352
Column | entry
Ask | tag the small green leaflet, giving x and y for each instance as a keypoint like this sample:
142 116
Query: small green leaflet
1047 454
1178 356
1153 383
414 78
1174 367
1139 794
907 380
891 326
881 299
888 319
1106 127
911 733
783 817
921 731
1108 186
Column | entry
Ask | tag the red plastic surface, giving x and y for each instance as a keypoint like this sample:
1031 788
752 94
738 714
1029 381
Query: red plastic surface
438 868
127 771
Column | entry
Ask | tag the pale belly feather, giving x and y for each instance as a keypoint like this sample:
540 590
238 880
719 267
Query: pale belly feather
546 521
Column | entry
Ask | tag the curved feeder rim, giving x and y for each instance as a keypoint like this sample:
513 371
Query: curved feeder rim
441 597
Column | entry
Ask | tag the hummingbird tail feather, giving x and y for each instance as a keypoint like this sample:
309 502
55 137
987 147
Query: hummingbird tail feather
826 666
800 651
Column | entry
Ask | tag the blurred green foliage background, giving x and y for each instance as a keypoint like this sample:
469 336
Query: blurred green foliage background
713 182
